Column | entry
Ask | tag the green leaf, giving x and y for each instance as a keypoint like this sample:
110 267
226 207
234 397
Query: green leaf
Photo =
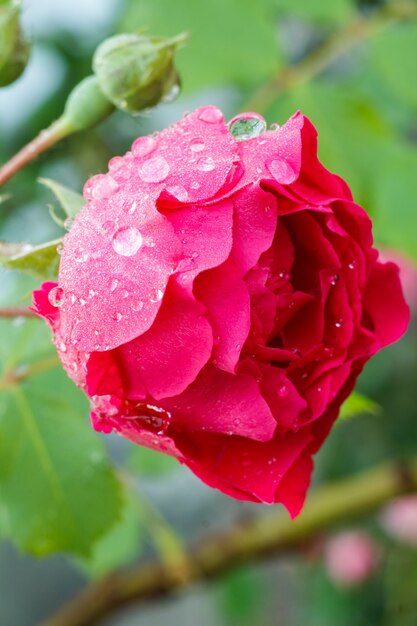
308 10
41 261
356 405
118 547
394 193
58 491
230 41
70 201
147 462
393 58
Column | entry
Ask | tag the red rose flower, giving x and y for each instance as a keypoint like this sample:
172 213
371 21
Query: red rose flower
218 296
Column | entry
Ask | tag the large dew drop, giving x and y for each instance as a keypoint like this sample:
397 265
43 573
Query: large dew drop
154 170
127 241
56 296
247 127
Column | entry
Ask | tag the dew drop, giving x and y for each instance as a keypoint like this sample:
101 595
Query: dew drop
132 208
124 294
147 416
195 185
352 265
116 163
113 284
283 391
179 192
108 227
154 170
211 115
156 295
60 248
137 306
143 146
206 164
282 171
284 275
339 324
117 316
68 223
197 145
103 186
334 279
56 296
246 127
127 241
81 255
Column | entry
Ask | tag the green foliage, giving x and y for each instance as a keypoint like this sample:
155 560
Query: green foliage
325 11
57 489
231 41
70 201
40 261
147 462
358 404
393 57
119 546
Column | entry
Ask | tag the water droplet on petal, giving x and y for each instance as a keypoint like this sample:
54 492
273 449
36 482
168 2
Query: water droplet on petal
60 248
352 265
195 185
274 126
113 284
179 192
339 323
137 306
56 296
154 170
102 186
211 115
132 208
127 241
283 391
115 164
197 145
68 223
124 294
247 126
334 279
282 171
108 227
117 316
143 146
206 164
156 295
81 255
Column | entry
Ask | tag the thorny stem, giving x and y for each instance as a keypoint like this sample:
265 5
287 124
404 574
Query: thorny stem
45 140
360 28
266 536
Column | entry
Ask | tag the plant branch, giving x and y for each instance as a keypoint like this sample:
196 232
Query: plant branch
17 311
46 138
268 535
359 29
22 372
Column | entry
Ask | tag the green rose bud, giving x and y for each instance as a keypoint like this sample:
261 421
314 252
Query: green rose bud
14 49
137 71
86 106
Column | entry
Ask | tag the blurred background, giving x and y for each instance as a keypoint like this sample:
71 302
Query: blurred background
364 105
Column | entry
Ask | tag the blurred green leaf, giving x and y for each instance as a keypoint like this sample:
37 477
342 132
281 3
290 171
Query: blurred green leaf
57 488
308 10
147 462
358 404
242 595
118 547
41 261
393 57
229 40
70 201
395 190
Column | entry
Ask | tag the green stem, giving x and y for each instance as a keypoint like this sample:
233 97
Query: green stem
337 503
45 140
359 29
17 375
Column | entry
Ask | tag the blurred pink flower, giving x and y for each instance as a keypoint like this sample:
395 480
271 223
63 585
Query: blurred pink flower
399 519
408 275
350 558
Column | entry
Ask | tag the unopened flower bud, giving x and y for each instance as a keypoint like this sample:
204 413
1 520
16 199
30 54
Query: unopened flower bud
86 105
137 71
14 49
400 519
